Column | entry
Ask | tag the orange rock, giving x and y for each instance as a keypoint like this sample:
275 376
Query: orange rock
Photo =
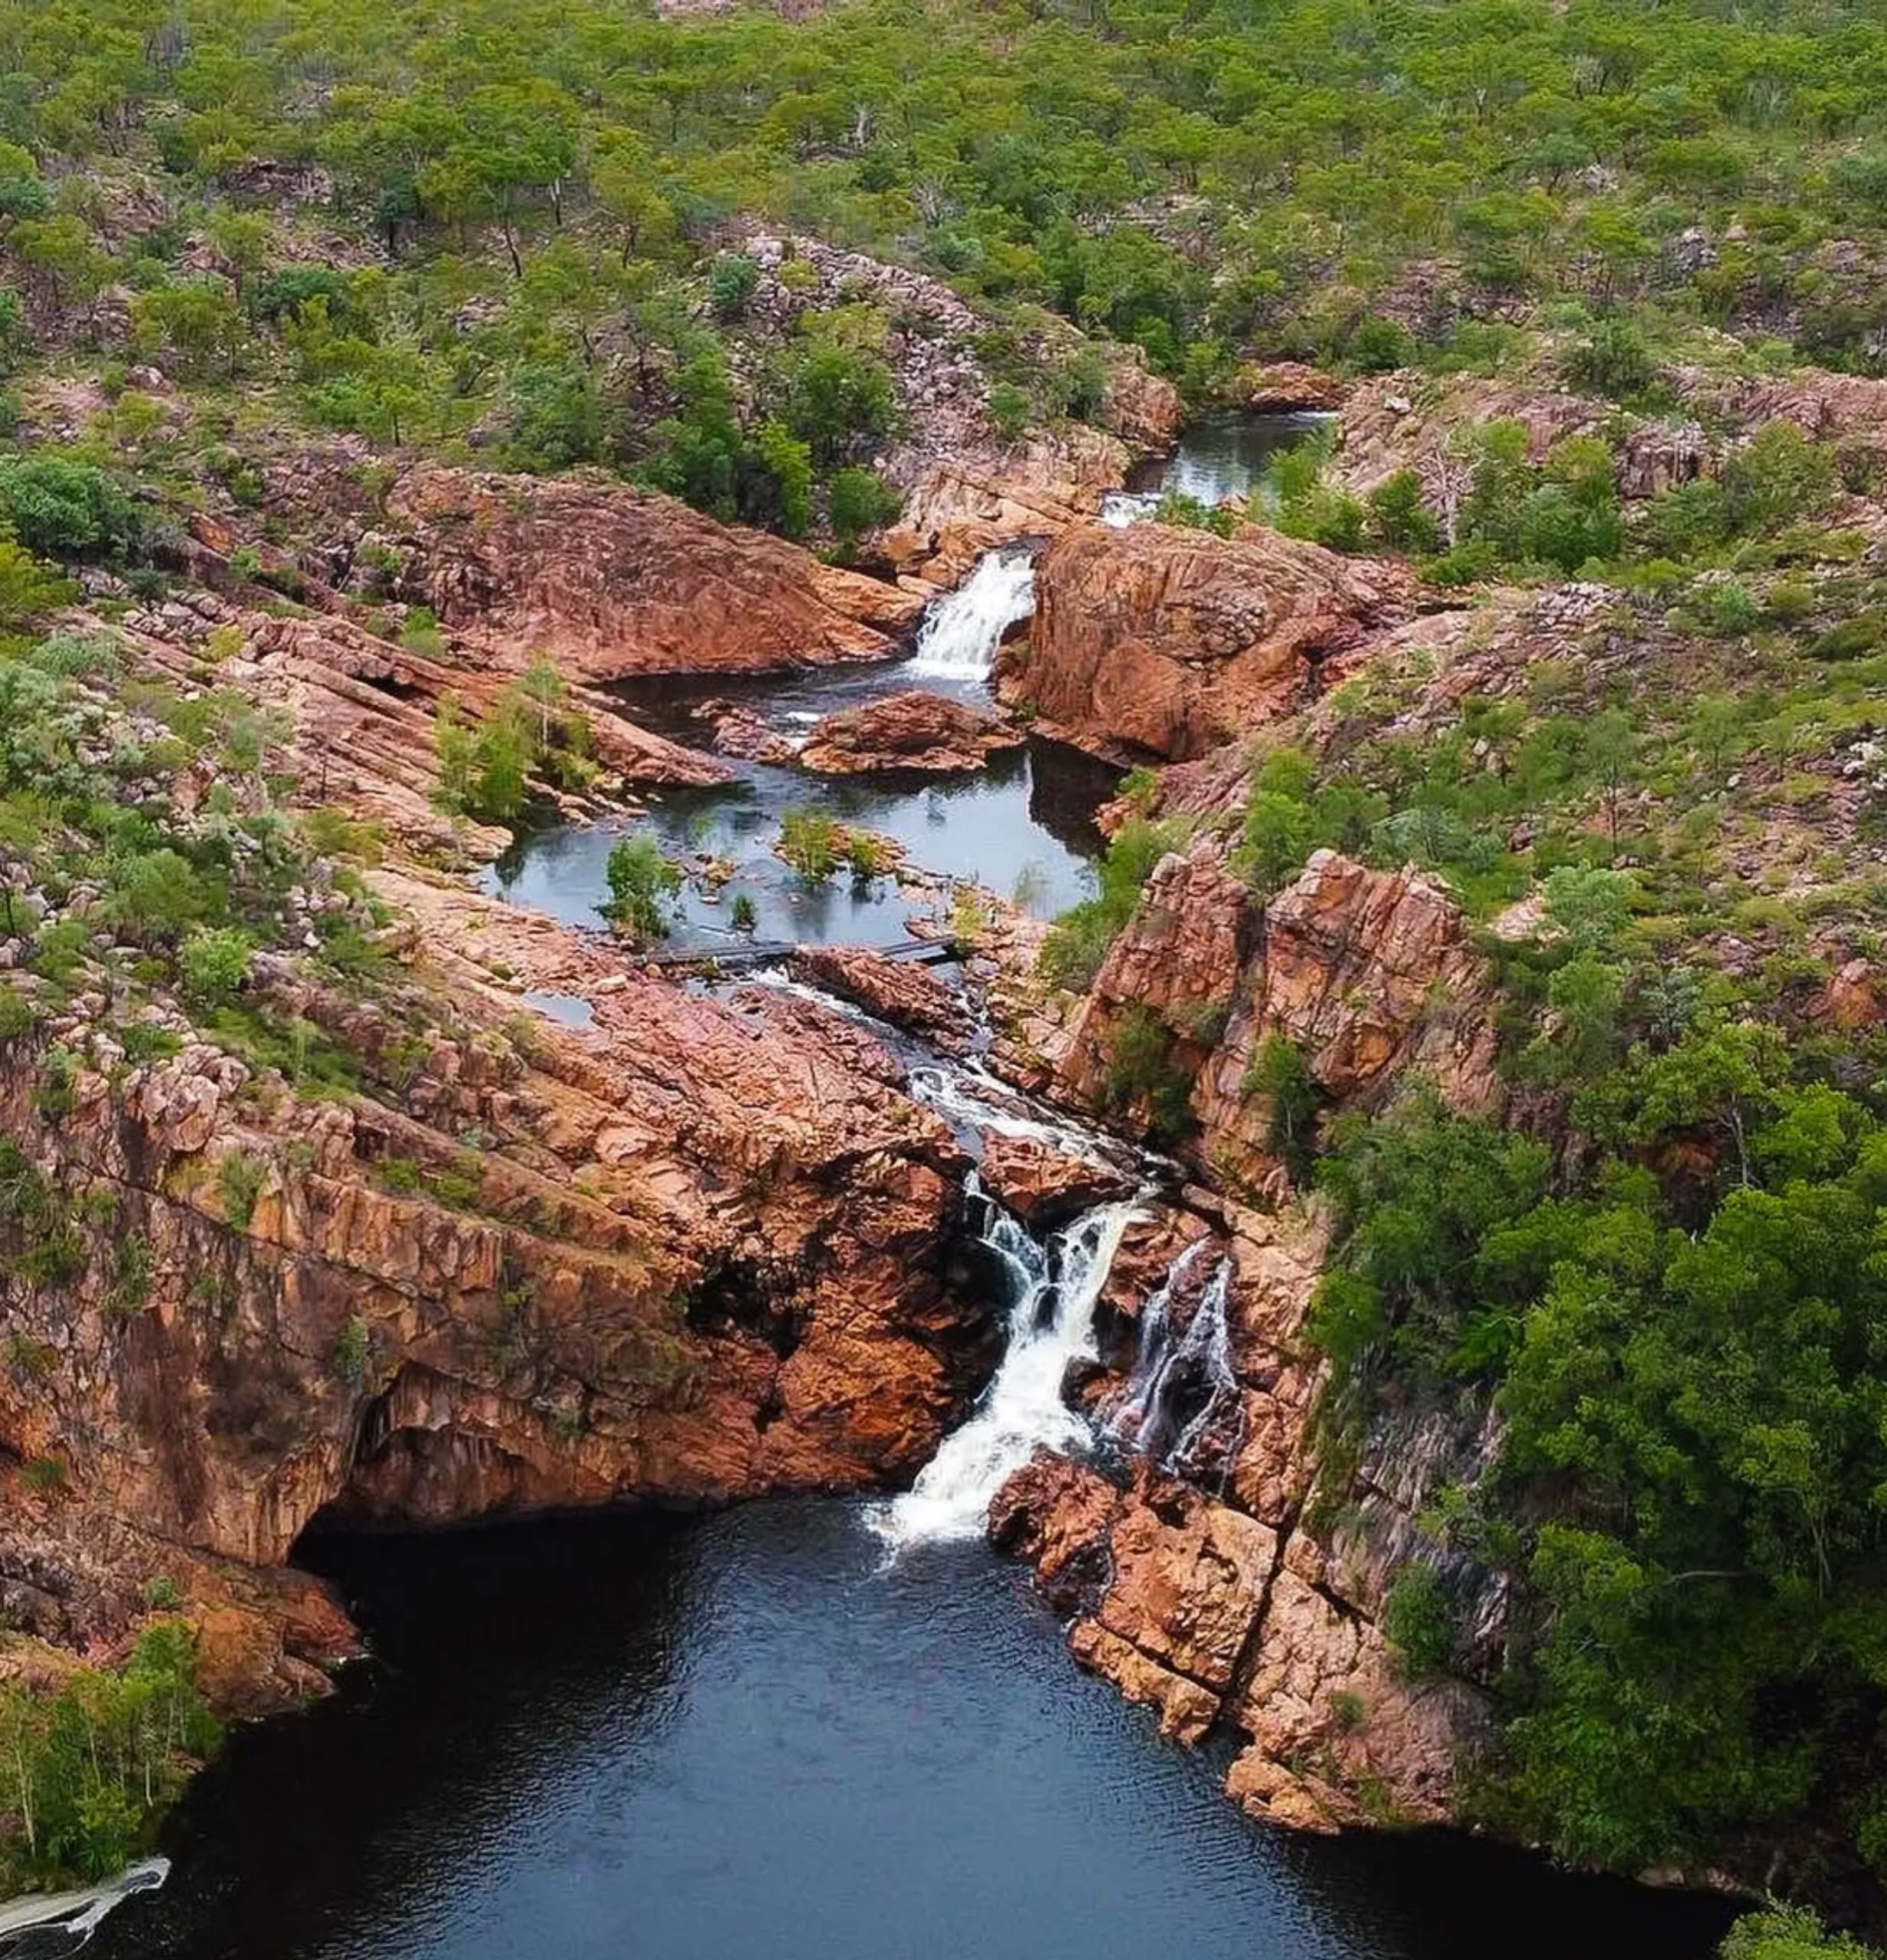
1153 641
1046 1186
608 580
913 730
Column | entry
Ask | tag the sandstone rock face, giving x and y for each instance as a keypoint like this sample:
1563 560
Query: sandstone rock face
1180 959
913 730
610 581
909 997
1156 641
701 1249
1369 974
963 506
1280 387
1046 1186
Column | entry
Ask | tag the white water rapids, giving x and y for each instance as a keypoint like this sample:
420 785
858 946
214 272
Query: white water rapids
1052 1288
961 632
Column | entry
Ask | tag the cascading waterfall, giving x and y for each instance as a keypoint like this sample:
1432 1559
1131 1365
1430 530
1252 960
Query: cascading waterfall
1052 1288
1184 1392
1129 1421
961 633
972 1100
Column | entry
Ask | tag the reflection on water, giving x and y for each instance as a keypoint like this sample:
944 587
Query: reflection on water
678 1740
1023 825
1225 455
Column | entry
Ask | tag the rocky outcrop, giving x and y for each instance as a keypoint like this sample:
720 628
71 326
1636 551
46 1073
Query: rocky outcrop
362 712
912 731
1369 975
1284 388
896 992
608 581
1046 1186
1408 421
1156 641
1213 1618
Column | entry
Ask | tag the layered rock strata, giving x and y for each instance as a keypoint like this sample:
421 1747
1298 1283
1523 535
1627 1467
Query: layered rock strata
1154 641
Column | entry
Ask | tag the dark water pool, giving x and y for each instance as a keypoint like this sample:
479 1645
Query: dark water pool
1023 826
1224 455
706 1740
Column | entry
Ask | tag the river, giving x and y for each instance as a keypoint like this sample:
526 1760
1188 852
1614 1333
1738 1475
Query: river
813 1729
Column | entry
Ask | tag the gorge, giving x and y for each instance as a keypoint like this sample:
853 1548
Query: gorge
943 977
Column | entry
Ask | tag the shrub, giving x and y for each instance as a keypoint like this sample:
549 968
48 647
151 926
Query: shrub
353 1352
1010 409
1612 360
858 501
1853 640
731 284
1378 346
1279 1073
742 916
239 1179
809 843
1419 1619
1078 941
1776 477
59 508
1397 520
640 879
1141 1068
215 962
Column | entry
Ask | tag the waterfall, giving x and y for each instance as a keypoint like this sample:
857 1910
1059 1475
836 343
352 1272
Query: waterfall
1120 509
976 1103
961 632
1184 1390
1052 1288
1129 1421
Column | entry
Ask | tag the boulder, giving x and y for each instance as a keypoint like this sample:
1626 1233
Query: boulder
1154 641
1046 1186
913 730
738 731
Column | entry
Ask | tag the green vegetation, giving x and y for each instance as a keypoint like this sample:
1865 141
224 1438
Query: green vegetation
641 880
86 1773
1078 941
529 735
516 231
809 843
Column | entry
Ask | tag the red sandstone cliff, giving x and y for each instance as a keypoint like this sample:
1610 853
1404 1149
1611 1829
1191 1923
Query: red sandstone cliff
1153 641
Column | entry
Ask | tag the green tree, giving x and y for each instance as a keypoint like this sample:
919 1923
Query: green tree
641 879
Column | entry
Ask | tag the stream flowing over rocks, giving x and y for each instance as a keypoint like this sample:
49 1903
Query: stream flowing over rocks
830 1226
